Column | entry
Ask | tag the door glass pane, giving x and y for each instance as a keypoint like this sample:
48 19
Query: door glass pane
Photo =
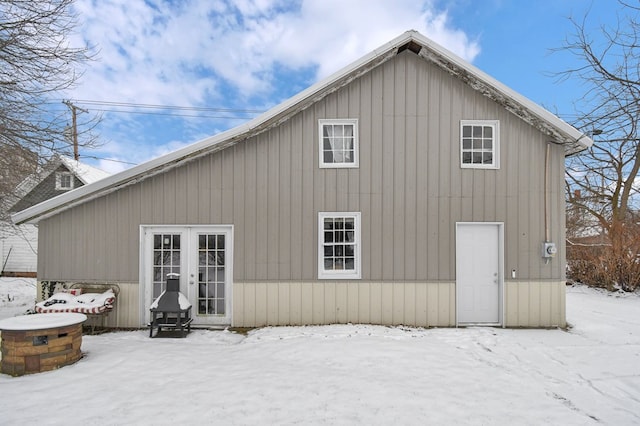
211 283
166 259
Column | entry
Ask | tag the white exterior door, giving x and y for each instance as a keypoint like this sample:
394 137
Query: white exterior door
203 256
478 273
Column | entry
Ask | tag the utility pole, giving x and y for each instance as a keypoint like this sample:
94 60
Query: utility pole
74 127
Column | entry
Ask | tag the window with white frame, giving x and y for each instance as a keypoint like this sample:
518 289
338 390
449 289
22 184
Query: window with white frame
338 143
339 245
480 144
64 181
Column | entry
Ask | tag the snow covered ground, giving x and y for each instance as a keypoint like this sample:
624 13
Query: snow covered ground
351 374
17 295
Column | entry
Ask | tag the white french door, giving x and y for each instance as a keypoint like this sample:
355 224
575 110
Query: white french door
203 256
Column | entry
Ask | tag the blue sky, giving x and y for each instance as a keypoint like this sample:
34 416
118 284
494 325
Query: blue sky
224 60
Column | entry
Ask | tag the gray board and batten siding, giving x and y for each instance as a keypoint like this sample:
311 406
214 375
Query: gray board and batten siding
409 188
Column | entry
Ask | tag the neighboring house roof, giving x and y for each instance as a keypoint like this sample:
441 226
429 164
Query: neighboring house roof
558 130
85 173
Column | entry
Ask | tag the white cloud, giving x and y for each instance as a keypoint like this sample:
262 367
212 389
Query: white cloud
228 53
177 53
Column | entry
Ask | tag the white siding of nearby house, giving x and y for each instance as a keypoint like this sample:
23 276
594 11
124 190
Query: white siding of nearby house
19 248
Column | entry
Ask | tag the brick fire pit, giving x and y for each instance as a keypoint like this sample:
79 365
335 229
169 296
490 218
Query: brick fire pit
40 342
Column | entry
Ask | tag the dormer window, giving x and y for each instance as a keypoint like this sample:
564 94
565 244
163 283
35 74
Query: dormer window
64 181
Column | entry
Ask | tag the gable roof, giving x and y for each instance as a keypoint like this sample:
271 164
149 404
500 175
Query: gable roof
558 130
86 173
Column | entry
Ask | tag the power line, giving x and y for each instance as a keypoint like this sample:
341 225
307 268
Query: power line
109 159
172 107
170 114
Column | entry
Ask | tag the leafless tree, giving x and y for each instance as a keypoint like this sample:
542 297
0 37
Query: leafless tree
602 182
37 64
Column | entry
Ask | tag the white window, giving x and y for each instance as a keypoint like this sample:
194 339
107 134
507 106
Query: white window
338 143
480 144
64 181
339 245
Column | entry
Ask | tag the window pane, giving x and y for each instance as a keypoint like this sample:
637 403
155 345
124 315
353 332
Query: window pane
328 251
487 158
477 144
350 236
326 145
157 241
176 241
328 224
339 223
350 263
328 237
338 131
328 157
477 158
328 264
466 158
466 143
348 130
488 132
166 241
349 250
211 241
220 243
327 131
466 131
220 307
488 144
477 131
202 242
339 250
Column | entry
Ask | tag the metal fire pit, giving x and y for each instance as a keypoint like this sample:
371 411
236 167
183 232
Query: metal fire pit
171 310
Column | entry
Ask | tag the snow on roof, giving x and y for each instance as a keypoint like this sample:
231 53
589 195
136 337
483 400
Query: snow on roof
558 130
86 173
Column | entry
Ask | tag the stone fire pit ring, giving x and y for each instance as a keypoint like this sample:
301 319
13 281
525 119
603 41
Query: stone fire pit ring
40 342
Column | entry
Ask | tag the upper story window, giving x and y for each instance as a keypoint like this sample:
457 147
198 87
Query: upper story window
338 143
339 245
480 144
64 181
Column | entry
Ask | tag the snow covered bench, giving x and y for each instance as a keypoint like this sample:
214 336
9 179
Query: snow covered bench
88 303
93 300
